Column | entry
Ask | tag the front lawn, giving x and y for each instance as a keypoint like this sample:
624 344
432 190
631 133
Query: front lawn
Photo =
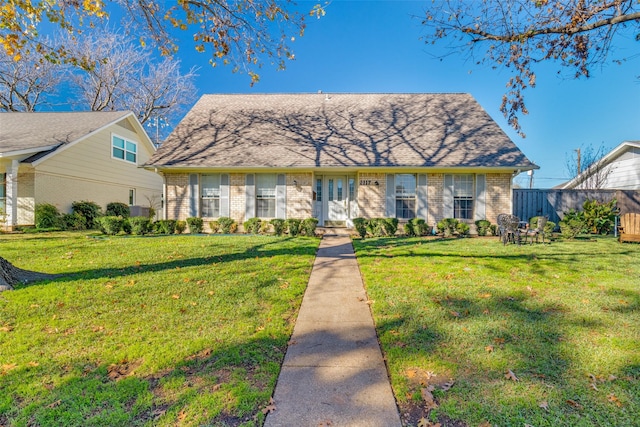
476 333
174 330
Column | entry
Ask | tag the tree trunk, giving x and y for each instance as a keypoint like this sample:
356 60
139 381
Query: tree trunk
10 275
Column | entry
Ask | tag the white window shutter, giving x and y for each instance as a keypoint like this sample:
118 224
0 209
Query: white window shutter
447 197
390 211
281 197
224 194
250 194
194 195
421 196
480 205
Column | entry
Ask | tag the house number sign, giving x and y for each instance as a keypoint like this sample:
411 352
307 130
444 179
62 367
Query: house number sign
366 182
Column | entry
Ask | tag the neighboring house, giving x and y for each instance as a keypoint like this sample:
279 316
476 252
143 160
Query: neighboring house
337 157
60 158
617 170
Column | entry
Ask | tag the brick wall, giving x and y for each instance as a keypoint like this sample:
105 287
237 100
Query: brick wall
177 203
371 197
237 197
299 195
435 187
498 199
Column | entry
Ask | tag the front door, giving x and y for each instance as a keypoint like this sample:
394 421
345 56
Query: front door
337 204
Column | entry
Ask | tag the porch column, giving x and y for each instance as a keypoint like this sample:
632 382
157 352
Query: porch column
12 195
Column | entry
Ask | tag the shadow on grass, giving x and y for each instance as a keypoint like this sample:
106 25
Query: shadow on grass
228 385
232 254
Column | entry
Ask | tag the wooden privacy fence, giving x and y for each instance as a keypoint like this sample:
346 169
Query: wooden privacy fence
554 203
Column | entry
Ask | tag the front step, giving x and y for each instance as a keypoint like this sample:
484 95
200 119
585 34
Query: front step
335 224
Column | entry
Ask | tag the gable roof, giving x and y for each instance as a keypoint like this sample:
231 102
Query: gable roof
338 130
39 134
607 159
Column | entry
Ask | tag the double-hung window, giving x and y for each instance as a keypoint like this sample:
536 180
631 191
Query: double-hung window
266 195
463 196
405 196
124 149
210 196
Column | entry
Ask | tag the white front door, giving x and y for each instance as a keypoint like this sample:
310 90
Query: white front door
337 204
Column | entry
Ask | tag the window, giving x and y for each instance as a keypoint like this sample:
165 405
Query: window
331 190
266 195
463 196
319 189
123 149
3 194
352 189
210 196
132 196
405 196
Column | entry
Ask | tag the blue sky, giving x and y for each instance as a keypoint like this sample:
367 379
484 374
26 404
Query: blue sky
376 46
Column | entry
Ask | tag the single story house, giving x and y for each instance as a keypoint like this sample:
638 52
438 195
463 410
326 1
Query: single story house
337 157
59 158
617 170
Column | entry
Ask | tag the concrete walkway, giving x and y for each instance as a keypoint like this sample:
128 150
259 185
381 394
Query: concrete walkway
333 373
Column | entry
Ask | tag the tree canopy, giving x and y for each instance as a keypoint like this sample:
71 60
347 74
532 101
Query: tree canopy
243 33
518 34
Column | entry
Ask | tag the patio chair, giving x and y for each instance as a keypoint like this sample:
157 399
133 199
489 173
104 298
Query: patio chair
509 228
537 231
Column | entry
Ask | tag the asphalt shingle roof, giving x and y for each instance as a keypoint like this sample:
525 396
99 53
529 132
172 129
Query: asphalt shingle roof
333 130
31 131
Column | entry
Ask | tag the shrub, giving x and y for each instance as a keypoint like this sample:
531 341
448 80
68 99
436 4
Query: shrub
599 218
447 226
293 225
111 225
549 227
390 226
227 225
117 209
89 210
375 227
494 229
410 229
47 216
420 226
165 226
195 225
483 227
278 226
462 229
361 226
74 221
181 226
214 226
265 227
572 224
139 225
252 225
309 226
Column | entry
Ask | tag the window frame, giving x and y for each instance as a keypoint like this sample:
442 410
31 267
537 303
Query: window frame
3 193
405 202
215 196
463 198
125 149
268 198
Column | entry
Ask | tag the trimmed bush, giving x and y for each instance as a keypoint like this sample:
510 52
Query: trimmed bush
74 221
420 226
494 229
195 225
361 226
390 226
265 227
227 225
599 218
309 226
214 226
47 216
181 226
447 226
252 225
165 226
139 225
278 226
410 229
482 226
293 226
117 209
111 225
89 210
375 227
462 228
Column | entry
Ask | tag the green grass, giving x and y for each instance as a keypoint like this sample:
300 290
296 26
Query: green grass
174 330
564 318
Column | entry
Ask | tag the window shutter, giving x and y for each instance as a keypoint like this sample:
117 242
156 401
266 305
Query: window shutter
194 199
421 196
390 211
281 197
480 207
250 194
447 197
224 194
